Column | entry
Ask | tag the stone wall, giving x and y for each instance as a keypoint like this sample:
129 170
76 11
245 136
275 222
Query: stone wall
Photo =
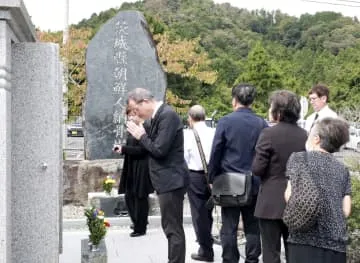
82 177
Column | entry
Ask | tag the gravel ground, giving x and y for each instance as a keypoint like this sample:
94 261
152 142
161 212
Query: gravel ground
73 212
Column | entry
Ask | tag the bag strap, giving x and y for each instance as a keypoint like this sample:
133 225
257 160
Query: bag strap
202 156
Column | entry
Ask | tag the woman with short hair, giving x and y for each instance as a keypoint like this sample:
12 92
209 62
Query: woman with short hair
273 149
325 241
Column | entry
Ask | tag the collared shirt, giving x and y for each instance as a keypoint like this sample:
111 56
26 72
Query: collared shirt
191 151
157 107
233 149
325 112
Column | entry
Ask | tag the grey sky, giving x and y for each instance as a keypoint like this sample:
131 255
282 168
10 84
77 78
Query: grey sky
49 15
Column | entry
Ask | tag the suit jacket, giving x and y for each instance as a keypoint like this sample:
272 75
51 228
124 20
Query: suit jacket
273 150
135 178
165 145
234 144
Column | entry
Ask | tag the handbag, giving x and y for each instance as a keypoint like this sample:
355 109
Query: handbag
210 202
303 208
232 189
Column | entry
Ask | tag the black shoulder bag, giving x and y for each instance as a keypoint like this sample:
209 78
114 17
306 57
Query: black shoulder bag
232 189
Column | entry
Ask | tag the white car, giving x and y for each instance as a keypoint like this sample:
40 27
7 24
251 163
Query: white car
354 142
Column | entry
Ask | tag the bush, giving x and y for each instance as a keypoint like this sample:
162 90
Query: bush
353 254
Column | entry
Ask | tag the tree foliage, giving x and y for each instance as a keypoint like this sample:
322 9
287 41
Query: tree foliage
206 48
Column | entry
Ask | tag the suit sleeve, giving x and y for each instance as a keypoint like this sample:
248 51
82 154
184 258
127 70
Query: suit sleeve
263 152
123 178
168 125
217 151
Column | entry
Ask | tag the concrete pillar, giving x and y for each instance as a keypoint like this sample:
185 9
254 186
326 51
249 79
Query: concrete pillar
30 141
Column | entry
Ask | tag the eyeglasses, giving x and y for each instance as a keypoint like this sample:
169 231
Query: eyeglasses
313 98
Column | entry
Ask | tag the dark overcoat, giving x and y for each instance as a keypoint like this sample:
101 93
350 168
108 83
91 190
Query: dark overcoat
135 176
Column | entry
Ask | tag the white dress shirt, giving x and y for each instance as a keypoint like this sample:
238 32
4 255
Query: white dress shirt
325 112
157 107
191 151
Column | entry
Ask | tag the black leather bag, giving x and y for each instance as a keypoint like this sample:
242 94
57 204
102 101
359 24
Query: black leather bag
232 189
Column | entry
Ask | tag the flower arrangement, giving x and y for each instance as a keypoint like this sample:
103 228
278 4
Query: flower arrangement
108 184
97 224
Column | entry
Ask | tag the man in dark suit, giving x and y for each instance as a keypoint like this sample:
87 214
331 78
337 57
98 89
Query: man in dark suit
233 150
273 150
168 170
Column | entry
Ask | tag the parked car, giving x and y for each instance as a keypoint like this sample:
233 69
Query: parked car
354 142
75 130
210 122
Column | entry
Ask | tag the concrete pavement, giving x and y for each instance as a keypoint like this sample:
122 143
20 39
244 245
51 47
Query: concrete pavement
121 248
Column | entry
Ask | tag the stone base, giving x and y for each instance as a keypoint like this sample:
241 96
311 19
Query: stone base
114 205
88 256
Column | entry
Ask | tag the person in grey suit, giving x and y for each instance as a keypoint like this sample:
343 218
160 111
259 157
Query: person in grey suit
168 170
273 150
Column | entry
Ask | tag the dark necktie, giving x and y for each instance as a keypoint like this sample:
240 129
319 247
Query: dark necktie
316 116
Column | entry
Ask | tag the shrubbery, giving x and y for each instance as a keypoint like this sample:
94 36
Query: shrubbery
354 219
354 223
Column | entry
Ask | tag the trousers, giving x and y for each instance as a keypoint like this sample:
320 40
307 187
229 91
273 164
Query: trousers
230 221
171 209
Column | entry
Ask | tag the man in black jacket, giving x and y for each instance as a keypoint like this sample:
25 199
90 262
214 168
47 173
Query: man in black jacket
168 171
233 150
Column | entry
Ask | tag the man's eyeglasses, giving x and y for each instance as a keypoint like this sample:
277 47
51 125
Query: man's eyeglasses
313 98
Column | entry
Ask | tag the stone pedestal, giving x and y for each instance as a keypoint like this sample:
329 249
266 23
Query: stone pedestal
108 203
36 152
88 256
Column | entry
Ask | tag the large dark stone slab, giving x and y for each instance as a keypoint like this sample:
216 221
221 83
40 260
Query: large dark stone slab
121 57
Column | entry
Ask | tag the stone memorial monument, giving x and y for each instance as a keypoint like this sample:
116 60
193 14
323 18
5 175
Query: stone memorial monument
30 141
121 57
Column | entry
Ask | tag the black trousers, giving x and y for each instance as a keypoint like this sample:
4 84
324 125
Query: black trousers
138 209
306 254
271 232
230 221
199 194
171 209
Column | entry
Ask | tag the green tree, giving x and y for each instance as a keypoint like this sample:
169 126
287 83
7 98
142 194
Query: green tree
260 71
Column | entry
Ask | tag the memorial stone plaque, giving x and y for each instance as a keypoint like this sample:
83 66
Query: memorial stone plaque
121 57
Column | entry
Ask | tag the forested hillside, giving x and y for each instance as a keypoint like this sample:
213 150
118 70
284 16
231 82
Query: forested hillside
206 48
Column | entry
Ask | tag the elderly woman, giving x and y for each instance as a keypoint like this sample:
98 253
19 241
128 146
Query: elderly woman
326 240
273 149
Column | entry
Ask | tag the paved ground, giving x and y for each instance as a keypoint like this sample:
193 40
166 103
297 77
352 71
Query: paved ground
151 248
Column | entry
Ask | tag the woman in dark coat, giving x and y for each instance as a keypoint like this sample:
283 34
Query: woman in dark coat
135 180
273 149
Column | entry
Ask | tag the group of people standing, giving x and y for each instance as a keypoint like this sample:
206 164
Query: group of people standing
175 162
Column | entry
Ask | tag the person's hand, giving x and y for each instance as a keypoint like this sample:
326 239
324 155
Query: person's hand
135 130
117 148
